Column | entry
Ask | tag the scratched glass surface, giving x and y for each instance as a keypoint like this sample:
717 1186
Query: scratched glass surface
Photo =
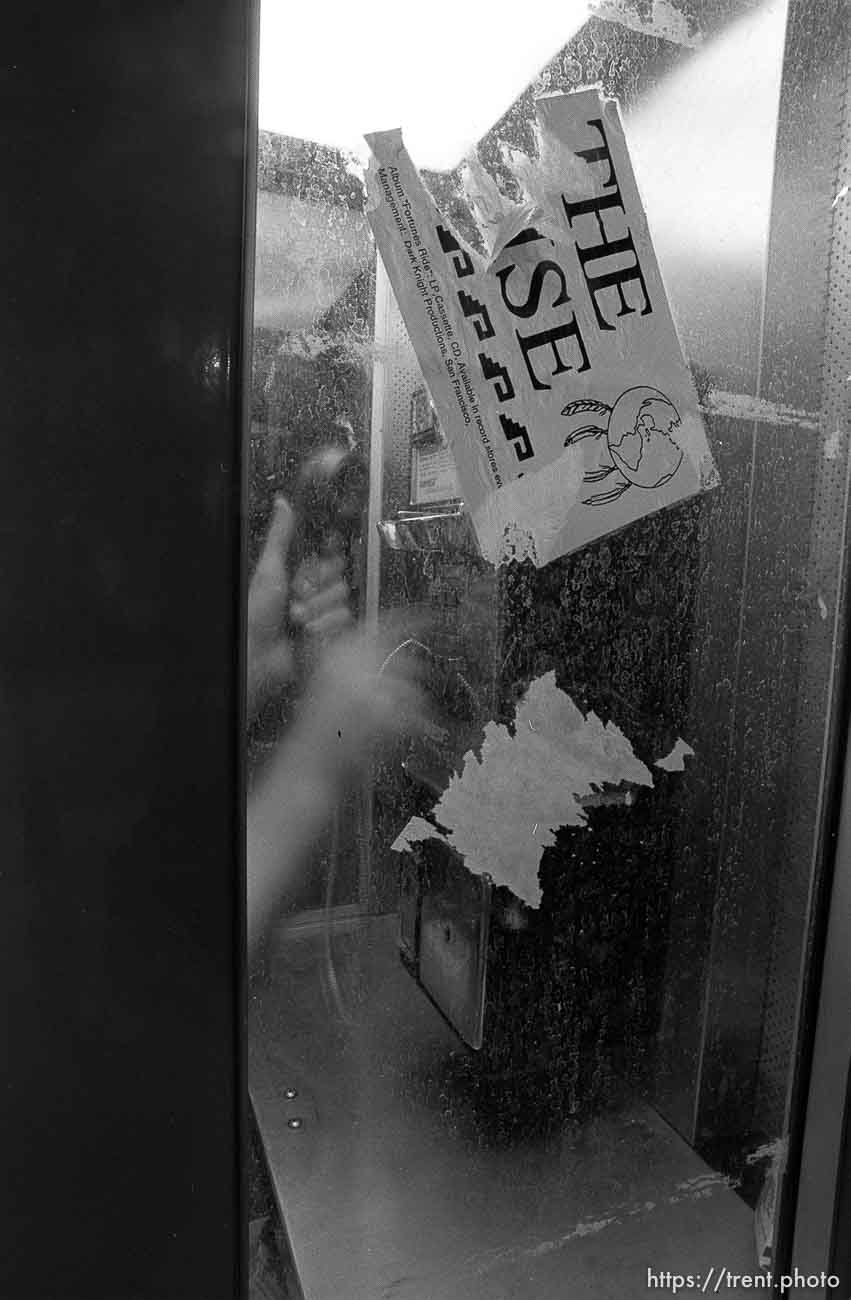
527 1027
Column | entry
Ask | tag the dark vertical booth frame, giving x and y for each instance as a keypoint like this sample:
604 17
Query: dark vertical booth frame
126 155
818 1214
822 1212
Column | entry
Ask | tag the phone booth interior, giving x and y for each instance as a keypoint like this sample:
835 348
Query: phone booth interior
462 1090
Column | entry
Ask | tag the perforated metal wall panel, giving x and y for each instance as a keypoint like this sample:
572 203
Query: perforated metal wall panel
823 638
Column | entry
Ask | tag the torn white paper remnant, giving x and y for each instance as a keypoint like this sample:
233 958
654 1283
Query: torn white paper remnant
551 359
675 761
833 445
503 810
665 20
417 830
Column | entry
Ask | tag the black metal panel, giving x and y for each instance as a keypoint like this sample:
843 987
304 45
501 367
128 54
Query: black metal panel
121 245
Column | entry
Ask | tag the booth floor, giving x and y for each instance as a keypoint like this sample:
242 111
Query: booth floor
391 1187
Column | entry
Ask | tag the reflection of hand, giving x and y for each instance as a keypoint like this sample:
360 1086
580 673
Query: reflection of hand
357 695
320 606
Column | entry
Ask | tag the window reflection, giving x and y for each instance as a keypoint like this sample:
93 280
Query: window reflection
496 1098
708 190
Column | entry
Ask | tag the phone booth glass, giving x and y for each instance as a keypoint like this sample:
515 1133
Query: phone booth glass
498 1050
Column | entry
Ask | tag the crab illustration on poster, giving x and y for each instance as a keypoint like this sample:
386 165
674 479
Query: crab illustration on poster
637 441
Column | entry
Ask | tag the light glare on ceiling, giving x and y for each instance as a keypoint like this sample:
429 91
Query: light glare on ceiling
330 72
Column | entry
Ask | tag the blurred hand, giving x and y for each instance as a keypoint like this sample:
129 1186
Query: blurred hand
360 692
317 600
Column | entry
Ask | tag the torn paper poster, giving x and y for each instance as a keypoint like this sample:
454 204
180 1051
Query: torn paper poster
503 810
765 1214
552 359
665 20
675 761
